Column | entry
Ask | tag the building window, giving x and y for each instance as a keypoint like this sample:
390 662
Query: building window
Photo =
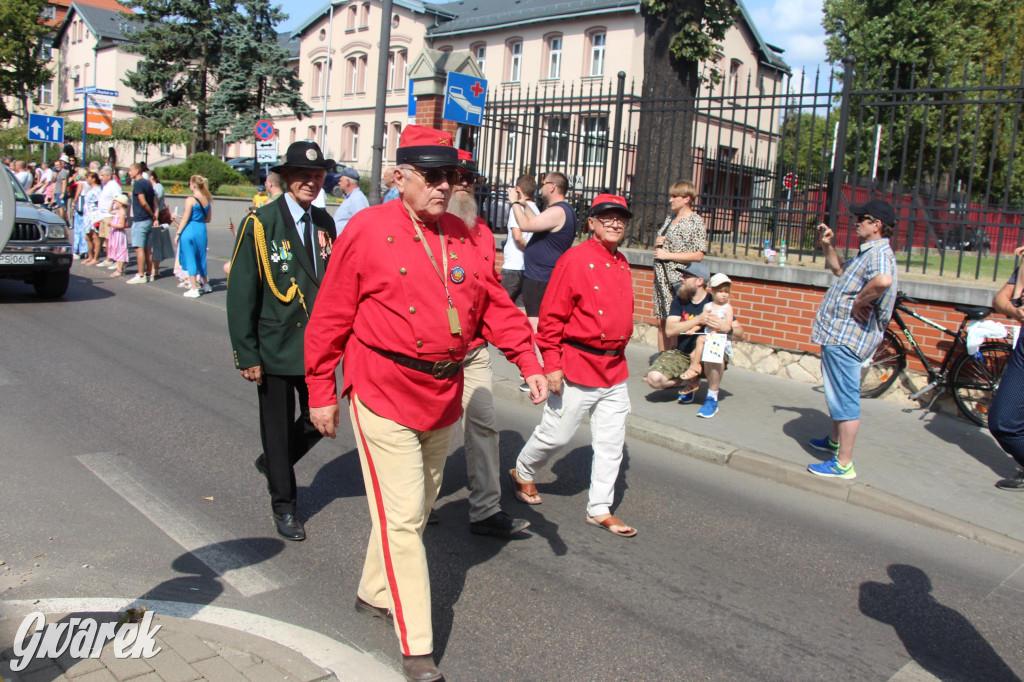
350 23
558 140
511 141
318 79
480 52
355 75
597 44
364 15
515 61
46 48
397 64
391 142
395 21
165 149
46 93
734 76
554 60
727 154
350 142
291 136
49 12
594 134
311 134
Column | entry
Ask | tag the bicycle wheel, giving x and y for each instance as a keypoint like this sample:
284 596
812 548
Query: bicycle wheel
880 372
973 382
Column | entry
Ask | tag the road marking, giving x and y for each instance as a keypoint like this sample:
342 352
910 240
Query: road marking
192 531
912 672
346 661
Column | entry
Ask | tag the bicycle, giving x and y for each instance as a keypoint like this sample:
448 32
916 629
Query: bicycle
971 379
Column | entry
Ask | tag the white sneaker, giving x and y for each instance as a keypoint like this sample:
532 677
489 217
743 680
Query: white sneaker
207 289
137 279
112 266
192 293
183 284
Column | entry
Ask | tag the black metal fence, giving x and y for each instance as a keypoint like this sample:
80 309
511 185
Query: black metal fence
775 154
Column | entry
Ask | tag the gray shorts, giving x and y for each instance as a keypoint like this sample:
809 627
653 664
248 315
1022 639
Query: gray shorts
140 234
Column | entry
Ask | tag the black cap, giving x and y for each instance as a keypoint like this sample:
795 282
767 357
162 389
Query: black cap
304 155
876 208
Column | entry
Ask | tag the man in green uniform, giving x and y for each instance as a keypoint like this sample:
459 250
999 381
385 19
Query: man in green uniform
279 260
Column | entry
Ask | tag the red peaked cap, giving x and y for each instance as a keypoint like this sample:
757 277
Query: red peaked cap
426 147
609 202
466 162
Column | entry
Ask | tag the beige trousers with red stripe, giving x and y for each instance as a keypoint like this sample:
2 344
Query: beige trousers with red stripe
402 470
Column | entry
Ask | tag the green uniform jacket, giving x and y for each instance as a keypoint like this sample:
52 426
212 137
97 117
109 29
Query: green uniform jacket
265 330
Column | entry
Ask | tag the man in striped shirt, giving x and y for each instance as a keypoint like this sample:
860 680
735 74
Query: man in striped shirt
849 326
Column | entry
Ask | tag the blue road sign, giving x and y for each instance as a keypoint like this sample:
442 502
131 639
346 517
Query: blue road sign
411 111
264 129
464 99
93 90
45 128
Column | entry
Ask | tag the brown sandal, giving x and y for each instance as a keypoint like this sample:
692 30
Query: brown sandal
686 389
612 521
523 489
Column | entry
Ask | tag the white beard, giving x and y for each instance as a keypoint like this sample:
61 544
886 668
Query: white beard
463 205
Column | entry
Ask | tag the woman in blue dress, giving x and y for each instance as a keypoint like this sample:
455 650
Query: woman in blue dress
192 236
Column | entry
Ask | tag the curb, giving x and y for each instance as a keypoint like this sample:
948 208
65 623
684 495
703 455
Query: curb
305 653
762 465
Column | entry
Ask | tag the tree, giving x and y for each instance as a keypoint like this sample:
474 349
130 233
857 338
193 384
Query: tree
805 143
22 66
679 35
181 45
253 78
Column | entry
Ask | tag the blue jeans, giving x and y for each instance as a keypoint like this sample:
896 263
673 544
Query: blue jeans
1006 417
840 368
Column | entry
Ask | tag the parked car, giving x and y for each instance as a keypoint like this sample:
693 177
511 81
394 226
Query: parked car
38 250
241 162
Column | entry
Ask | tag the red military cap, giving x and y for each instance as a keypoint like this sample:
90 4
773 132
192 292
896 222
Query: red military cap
609 202
466 162
426 147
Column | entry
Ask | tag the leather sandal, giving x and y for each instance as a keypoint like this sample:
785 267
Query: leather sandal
607 524
523 489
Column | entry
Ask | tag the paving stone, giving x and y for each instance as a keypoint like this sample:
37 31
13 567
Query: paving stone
172 667
103 675
190 648
218 670
76 667
43 676
239 660
123 668
264 673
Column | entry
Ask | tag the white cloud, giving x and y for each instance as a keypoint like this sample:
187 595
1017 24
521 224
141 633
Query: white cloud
795 26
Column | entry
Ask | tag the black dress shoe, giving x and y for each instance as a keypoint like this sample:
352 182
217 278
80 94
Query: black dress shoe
261 466
500 524
289 527
1015 483
421 669
369 609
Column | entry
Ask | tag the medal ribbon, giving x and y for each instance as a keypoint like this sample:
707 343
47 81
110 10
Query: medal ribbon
430 254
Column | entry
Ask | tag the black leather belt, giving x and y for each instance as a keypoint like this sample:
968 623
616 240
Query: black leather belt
595 351
442 369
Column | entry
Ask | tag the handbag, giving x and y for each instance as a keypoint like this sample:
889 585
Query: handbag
164 216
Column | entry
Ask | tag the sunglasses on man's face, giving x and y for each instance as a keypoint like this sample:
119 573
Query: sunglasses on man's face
434 176
865 218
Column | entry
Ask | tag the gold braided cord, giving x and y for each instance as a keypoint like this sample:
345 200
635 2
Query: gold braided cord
264 262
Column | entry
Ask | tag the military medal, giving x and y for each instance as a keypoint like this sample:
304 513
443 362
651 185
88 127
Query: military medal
454 256
325 245
458 275
273 252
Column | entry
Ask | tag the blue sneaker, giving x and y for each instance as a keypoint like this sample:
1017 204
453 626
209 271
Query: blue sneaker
685 398
709 409
825 445
831 469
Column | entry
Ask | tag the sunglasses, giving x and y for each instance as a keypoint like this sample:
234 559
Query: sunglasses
434 176
866 218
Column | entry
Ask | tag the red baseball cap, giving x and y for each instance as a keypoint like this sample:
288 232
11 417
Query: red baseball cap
466 161
426 147
609 202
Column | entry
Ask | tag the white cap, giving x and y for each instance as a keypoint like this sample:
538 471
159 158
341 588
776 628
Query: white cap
718 279
64 157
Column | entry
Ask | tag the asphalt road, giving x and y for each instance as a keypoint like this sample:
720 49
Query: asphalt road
127 447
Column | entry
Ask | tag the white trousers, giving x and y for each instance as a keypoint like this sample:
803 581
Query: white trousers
608 408
480 435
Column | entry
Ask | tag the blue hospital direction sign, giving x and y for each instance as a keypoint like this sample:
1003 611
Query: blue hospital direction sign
464 99
45 128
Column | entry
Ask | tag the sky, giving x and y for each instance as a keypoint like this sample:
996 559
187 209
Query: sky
793 25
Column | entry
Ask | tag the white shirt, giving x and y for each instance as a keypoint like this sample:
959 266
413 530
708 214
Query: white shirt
110 191
24 178
297 212
355 201
321 200
513 254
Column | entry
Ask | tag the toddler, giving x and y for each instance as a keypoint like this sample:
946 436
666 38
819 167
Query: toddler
117 243
719 306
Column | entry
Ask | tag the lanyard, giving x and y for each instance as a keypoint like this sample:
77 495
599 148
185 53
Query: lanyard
444 255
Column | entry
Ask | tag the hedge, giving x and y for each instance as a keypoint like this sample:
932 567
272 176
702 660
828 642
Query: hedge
215 171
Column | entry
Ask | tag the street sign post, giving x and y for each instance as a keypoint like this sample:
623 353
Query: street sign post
100 124
266 151
264 129
790 180
464 99
45 128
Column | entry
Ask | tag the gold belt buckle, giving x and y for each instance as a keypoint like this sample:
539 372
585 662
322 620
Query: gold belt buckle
445 369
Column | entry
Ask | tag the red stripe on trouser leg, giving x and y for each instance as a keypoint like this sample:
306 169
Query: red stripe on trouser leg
382 520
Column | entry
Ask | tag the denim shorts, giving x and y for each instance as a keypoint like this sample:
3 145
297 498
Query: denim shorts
140 233
840 368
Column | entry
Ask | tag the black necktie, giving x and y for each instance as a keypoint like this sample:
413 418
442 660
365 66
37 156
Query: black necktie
307 237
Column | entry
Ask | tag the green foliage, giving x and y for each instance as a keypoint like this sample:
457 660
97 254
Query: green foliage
22 68
253 76
215 171
699 28
806 145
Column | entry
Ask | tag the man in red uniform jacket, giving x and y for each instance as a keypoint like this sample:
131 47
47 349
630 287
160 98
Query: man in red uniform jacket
586 319
403 299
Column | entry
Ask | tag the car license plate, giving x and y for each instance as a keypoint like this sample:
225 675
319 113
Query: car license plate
16 259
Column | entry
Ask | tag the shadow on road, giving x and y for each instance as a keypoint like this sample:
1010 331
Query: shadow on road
79 289
808 423
937 637
974 440
341 477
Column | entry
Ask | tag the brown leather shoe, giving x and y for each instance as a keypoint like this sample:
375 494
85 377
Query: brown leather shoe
421 669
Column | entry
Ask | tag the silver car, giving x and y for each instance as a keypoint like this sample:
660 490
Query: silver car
37 249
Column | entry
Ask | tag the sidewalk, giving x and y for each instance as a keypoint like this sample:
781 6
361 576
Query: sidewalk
933 469
218 645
